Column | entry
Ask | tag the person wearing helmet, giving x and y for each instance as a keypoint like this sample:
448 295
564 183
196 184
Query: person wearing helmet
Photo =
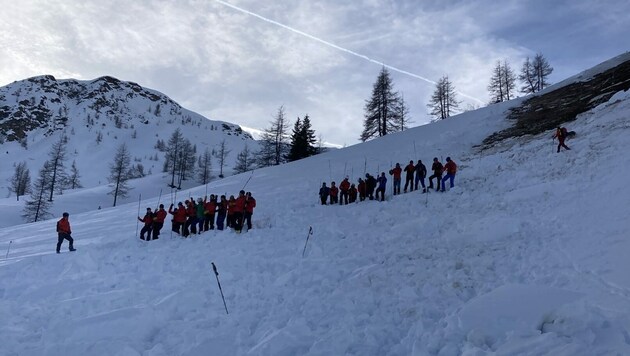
344 187
409 170
421 174
382 184
148 225
561 134
324 191
396 172
451 168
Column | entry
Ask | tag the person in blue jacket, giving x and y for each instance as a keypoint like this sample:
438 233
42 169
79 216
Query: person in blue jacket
382 184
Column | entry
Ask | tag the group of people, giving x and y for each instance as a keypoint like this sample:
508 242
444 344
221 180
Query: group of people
415 174
195 217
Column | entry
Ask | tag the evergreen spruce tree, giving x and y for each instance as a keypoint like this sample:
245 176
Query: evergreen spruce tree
381 108
309 136
298 142
38 207
119 173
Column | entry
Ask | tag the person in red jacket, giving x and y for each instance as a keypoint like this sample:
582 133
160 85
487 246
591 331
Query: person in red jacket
230 211
451 168
344 187
210 210
239 210
409 169
179 217
148 224
190 226
396 172
362 190
158 222
250 204
334 193
561 134
64 232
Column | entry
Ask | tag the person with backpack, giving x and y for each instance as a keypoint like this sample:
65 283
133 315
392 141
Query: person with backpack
221 212
409 169
382 184
396 172
250 204
231 203
451 168
179 217
361 189
437 173
158 221
324 191
64 232
421 173
334 193
343 188
239 212
561 134
200 216
352 193
148 224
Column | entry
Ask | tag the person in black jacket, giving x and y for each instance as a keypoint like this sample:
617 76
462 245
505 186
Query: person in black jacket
421 173
370 185
323 193
437 169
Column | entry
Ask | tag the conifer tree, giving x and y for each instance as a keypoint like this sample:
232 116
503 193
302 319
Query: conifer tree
221 155
502 82
73 179
173 155
20 183
38 207
57 156
273 146
534 74
444 101
204 173
119 173
244 161
381 108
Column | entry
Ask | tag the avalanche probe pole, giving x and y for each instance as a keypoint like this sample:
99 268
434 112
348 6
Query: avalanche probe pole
159 198
247 182
8 248
138 221
310 232
216 274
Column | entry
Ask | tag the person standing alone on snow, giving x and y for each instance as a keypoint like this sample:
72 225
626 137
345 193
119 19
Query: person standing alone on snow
451 168
63 232
561 134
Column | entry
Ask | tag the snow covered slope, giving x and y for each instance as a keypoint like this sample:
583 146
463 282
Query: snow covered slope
527 255
35 112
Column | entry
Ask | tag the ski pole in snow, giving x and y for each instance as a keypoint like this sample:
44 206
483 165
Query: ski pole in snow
310 232
247 182
8 248
216 274
138 221
365 165
159 198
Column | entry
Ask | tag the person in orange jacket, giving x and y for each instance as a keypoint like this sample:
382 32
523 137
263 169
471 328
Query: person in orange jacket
396 172
334 193
250 204
210 210
64 232
451 168
179 217
148 224
409 169
239 211
158 222
343 188
561 134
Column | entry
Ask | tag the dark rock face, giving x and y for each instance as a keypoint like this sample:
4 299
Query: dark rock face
547 111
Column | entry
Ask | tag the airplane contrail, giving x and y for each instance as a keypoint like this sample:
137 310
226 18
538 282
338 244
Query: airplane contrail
330 44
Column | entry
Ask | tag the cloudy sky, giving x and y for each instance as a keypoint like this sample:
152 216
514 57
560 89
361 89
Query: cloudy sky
239 60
